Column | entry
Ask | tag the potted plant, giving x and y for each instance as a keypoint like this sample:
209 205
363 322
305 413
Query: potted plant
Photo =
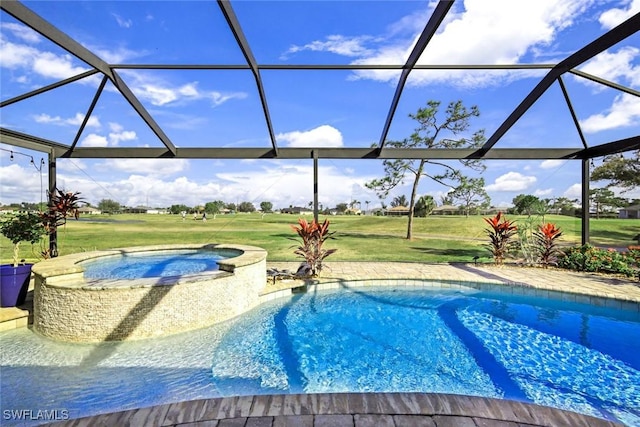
14 278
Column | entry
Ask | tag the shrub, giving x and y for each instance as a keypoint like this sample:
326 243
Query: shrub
313 235
500 234
545 239
23 227
592 259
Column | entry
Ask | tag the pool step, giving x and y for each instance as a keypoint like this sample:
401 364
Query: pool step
18 317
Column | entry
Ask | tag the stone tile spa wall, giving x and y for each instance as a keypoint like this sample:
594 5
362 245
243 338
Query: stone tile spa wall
69 308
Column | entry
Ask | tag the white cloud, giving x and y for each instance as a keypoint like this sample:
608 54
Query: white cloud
123 23
284 184
161 92
117 135
322 136
72 121
552 164
503 32
116 55
616 66
340 45
22 32
625 111
511 181
573 192
543 192
153 167
21 183
616 16
94 140
46 64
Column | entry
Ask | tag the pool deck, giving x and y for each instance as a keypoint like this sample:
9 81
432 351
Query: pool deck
392 409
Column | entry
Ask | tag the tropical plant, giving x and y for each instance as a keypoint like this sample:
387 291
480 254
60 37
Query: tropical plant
500 234
22 227
62 205
545 239
527 241
424 206
312 235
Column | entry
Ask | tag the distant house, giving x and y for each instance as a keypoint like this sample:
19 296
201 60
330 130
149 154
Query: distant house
88 210
353 211
631 212
297 210
397 211
446 210
136 210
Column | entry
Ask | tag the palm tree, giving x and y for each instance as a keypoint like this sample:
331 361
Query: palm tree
399 201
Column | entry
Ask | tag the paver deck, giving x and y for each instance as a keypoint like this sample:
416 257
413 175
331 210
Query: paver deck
345 410
393 409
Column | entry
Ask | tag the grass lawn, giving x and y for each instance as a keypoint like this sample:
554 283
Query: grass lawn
358 238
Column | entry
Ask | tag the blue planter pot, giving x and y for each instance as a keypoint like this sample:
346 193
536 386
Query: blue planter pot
14 284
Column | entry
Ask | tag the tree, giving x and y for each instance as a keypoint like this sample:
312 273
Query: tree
214 207
446 200
620 171
431 132
266 206
109 206
542 208
400 200
176 209
341 207
564 206
246 207
424 206
471 194
603 198
230 206
525 203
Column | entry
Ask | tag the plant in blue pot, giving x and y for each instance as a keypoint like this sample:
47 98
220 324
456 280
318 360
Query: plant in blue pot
14 278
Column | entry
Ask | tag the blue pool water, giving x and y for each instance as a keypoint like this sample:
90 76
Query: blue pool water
138 265
556 353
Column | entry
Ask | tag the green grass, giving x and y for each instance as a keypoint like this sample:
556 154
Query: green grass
358 238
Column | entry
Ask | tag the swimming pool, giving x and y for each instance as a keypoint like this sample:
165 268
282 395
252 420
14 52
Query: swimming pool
143 292
139 265
555 353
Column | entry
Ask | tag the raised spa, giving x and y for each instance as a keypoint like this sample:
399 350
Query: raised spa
186 287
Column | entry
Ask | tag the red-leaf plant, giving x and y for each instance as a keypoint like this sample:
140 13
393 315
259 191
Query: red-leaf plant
546 243
62 205
313 235
500 234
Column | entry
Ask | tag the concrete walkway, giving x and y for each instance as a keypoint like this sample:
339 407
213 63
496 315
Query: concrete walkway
395 409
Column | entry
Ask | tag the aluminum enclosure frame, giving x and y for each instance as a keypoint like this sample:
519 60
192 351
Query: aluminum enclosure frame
488 151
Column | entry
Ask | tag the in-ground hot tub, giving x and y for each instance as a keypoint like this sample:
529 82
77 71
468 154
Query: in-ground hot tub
70 307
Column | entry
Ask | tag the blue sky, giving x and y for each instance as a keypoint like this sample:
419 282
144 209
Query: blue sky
308 108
